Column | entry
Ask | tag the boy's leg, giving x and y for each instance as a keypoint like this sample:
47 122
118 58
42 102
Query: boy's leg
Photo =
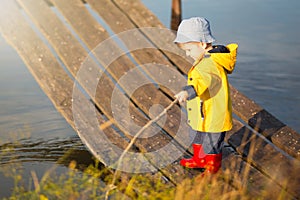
197 160
196 137
212 142
207 151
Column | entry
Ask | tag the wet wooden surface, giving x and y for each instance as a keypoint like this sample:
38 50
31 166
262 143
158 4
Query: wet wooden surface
259 143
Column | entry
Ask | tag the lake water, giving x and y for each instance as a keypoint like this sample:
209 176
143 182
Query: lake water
267 71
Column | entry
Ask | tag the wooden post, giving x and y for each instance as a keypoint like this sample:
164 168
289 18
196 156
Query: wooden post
176 14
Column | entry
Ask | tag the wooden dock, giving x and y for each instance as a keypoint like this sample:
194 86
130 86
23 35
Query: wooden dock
68 47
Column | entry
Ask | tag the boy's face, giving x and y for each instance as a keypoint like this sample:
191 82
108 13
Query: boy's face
193 49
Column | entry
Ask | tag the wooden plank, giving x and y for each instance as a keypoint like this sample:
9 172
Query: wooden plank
284 137
53 80
145 145
247 178
261 120
163 39
141 49
288 140
264 156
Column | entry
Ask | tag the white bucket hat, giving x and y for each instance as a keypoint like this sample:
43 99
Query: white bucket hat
195 29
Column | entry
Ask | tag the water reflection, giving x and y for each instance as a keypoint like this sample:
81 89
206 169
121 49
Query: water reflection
61 151
40 156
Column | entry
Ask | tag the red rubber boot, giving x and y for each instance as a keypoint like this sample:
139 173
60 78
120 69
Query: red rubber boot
198 159
213 163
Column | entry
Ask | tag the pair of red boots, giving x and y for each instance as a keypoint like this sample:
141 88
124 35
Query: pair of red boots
211 162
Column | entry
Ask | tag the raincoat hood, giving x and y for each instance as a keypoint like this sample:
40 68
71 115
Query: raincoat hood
226 59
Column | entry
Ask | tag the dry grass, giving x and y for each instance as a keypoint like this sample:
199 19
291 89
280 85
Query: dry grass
92 183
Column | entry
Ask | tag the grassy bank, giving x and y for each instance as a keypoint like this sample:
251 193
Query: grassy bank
91 182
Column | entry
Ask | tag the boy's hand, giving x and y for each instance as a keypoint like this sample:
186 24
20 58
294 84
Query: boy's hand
182 96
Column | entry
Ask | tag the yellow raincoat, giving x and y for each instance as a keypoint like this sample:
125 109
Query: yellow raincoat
210 110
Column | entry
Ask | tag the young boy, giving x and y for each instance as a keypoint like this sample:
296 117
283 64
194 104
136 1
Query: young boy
207 92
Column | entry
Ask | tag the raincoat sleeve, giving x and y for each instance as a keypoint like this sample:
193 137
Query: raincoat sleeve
191 91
